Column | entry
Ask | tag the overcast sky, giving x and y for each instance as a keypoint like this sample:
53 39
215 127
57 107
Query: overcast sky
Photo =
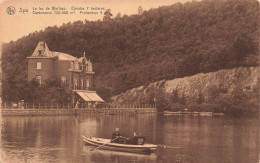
21 24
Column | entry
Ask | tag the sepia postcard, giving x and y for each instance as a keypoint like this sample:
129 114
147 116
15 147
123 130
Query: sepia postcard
129 81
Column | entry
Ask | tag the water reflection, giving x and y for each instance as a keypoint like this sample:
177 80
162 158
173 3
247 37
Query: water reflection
34 139
210 139
115 156
186 138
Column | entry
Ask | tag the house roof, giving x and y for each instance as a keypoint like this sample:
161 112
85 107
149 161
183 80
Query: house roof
63 56
83 59
42 50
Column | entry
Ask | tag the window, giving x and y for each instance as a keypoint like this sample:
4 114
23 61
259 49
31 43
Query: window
87 83
71 65
39 79
40 52
75 83
82 83
63 80
39 65
86 68
76 64
90 67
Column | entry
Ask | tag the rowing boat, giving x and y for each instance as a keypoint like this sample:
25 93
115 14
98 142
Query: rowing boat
107 145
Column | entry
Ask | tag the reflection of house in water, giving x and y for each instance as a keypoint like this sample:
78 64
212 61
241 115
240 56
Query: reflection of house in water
76 73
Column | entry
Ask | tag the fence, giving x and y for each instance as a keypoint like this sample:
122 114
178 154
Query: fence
35 109
10 105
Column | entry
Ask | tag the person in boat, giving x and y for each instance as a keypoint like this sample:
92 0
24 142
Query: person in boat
115 136
133 140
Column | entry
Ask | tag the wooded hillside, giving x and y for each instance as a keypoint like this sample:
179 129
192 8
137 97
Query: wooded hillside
164 43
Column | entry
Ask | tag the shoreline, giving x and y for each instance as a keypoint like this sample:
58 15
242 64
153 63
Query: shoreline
55 112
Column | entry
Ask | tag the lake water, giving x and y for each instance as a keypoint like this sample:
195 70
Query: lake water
182 138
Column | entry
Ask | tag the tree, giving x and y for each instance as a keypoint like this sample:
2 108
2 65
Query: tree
118 16
243 46
51 91
213 92
175 96
149 47
200 99
107 15
183 99
162 101
140 10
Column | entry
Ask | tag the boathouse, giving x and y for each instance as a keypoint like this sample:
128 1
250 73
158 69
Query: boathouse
76 73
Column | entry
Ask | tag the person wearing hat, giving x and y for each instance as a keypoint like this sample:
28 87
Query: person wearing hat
134 140
115 136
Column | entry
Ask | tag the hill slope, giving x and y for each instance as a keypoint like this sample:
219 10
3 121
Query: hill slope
229 87
164 43
225 80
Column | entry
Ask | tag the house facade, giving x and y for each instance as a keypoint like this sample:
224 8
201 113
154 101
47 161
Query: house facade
76 73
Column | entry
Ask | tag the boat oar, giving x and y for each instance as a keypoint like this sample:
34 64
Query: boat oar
103 144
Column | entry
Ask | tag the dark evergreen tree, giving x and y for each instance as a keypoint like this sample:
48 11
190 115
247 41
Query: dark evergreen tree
107 15
140 10
175 96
